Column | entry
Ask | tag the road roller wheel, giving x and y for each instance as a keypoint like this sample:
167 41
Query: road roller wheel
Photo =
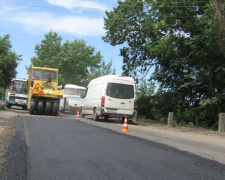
48 108
55 109
40 108
32 107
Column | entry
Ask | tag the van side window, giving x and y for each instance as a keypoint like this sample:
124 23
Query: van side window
120 91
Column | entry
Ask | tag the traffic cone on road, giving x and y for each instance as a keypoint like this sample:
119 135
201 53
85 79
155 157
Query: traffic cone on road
125 125
58 114
78 115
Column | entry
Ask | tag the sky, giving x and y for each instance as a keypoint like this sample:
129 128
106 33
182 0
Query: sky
27 21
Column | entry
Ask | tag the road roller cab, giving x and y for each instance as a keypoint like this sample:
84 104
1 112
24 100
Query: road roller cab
42 91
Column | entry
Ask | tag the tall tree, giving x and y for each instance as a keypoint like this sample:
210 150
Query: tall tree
102 70
181 39
48 51
9 61
73 59
219 7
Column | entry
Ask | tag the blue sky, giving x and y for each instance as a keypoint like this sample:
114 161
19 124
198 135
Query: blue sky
27 21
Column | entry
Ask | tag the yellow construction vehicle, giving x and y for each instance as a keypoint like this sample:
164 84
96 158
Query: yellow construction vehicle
43 95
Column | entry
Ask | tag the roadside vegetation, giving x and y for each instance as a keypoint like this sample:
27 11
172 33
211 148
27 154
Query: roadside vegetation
77 62
175 49
182 43
2 95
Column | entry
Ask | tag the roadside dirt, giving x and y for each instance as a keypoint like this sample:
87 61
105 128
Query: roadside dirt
7 132
195 130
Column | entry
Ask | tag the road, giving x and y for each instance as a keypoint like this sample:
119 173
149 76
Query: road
62 147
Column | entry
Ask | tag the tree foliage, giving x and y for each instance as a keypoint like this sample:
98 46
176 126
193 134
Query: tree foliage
182 40
8 61
73 59
102 70
48 51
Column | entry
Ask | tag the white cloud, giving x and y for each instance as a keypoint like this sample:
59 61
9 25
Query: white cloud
70 4
67 24
38 22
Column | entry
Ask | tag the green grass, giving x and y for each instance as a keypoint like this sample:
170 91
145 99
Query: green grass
2 105
151 121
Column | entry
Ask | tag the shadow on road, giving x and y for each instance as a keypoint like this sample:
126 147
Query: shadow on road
113 120
16 109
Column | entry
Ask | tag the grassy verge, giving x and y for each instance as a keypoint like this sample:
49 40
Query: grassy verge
151 121
2 105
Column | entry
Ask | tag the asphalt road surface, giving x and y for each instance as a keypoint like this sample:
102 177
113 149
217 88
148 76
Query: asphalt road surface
64 148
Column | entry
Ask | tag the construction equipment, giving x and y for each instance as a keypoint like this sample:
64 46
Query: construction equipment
42 91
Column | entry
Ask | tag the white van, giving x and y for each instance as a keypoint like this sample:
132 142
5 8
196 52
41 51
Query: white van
110 96
72 98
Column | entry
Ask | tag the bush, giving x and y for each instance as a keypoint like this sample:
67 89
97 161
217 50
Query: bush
2 98
2 94
183 117
2 106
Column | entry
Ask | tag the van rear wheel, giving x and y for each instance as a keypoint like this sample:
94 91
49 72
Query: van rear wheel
95 117
106 118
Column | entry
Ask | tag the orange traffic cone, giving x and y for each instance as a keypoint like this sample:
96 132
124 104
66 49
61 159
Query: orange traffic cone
78 115
125 126
58 114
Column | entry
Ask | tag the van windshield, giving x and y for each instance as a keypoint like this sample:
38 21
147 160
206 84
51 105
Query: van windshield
120 91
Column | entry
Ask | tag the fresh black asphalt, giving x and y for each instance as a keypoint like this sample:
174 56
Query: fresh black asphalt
63 148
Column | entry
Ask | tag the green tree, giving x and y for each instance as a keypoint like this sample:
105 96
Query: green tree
9 61
145 94
182 39
48 51
73 59
102 70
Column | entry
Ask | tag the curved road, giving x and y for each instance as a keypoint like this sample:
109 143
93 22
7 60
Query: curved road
64 148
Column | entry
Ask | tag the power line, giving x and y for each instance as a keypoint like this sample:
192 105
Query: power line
89 12
36 6
45 7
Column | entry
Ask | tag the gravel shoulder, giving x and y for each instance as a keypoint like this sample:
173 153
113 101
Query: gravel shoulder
7 132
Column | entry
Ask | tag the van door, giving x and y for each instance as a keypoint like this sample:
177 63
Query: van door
119 98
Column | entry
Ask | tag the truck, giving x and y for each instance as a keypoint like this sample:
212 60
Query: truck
43 95
72 98
16 94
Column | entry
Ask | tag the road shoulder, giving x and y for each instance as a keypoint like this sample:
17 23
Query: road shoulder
7 132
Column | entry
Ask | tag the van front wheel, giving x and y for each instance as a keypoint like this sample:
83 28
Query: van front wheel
95 117
81 114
